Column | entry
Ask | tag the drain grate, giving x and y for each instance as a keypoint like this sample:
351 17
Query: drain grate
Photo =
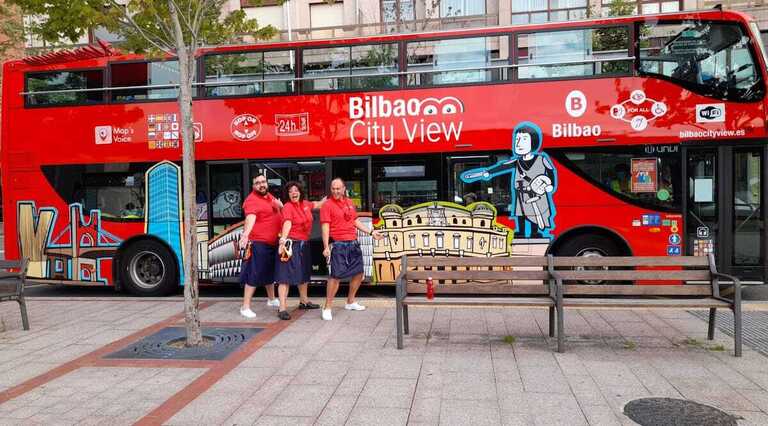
677 412
220 343
754 327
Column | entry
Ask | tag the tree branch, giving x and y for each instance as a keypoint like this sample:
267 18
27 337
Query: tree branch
157 42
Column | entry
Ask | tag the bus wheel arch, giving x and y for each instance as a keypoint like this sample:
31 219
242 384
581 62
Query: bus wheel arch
590 240
146 266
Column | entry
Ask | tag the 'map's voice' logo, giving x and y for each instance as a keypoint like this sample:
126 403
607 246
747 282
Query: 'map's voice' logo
710 113
429 120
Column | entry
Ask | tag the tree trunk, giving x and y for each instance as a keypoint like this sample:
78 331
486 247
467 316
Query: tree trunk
185 54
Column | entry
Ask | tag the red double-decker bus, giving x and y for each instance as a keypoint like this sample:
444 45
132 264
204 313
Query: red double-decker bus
641 135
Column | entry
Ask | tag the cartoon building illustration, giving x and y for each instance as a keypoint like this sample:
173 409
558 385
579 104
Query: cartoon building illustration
75 253
163 204
437 229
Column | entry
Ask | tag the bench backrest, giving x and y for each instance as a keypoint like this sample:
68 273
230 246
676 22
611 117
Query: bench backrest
520 275
660 273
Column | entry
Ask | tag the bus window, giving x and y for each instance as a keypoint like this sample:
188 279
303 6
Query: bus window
350 67
137 74
494 191
457 61
65 80
650 179
115 189
405 182
573 53
712 59
259 72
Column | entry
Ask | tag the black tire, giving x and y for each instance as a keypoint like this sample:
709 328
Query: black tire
591 245
148 268
587 244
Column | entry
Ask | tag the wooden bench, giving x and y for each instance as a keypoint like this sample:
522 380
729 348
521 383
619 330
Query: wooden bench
522 281
697 279
13 276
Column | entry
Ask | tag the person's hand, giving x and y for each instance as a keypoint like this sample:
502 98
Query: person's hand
281 248
377 235
326 253
243 242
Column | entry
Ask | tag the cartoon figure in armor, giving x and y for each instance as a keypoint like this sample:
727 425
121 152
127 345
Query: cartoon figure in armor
534 180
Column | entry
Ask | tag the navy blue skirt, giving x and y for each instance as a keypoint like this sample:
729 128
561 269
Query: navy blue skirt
346 259
298 269
259 270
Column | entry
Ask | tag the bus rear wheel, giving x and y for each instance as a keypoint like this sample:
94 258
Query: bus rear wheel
147 268
590 246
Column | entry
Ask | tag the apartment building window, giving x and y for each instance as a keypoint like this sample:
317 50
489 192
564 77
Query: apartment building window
397 10
537 11
650 6
452 8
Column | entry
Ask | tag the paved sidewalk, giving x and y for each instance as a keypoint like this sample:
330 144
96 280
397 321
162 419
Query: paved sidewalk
459 366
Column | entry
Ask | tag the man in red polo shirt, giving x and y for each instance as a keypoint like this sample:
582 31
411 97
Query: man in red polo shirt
261 231
340 223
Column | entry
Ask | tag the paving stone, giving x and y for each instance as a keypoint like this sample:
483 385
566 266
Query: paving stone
301 401
283 421
378 416
337 411
600 415
397 367
465 412
467 385
321 373
387 393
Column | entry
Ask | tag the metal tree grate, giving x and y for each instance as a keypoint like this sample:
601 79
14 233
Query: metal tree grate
220 343
677 412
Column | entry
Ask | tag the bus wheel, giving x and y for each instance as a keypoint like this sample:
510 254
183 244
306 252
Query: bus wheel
147 268
589 246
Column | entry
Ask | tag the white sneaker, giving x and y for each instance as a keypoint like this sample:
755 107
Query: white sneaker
275 303
354 307
247 312
327 316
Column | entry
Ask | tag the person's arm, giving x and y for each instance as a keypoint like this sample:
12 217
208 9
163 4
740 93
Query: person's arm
284 234
276 201
364 229
316 205
326 228
250 220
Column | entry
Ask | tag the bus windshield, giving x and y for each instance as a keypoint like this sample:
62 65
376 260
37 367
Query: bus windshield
712 59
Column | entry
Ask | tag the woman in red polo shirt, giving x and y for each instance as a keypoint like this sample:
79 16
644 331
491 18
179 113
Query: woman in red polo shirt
295 269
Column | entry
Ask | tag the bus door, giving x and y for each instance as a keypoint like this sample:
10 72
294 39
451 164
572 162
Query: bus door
311 175
724 213
227 184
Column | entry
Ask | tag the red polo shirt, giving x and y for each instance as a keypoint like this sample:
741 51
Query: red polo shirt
300 215
268 219
341 215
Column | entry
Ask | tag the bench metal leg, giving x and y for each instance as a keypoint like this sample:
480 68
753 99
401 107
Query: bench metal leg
405 320
23 308
560 329
551 321
712 319
737 329
399 324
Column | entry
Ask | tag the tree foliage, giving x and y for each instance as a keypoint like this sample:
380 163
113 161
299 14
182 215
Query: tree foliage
145 25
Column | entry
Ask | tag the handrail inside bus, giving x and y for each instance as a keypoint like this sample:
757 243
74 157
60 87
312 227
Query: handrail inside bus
278 80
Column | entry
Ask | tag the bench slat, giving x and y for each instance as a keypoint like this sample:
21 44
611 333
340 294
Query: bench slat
485 301
569 261
481 288
477 261
639 290
705 302
619 275
477 275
